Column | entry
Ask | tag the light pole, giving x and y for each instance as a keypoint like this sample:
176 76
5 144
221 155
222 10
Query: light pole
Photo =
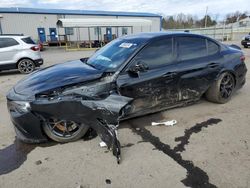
206 17
1 31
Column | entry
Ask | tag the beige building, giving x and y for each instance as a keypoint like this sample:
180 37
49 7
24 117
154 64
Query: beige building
41 24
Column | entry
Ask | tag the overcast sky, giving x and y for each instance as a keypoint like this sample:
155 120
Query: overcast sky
164 7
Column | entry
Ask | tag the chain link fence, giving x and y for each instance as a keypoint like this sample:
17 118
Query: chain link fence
222 33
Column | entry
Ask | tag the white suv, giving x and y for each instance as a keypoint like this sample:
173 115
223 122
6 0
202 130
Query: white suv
19 52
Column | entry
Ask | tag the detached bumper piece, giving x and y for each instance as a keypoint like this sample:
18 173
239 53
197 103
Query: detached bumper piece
102 115
109 136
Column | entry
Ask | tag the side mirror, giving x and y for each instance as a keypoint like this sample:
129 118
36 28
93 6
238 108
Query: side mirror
137 68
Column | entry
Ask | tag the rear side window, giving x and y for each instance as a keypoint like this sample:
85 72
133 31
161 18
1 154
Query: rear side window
157 53
7 42
212 48
191 48
28 40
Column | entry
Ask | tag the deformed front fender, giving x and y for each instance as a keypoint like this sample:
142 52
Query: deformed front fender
102 115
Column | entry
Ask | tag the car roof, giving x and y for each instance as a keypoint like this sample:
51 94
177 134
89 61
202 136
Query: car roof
153 35
13 36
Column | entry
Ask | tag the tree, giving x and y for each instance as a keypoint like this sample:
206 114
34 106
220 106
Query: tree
236 16
209 23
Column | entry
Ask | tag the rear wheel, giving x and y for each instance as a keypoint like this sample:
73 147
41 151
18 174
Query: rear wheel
26 66
245 46
221 90
64 131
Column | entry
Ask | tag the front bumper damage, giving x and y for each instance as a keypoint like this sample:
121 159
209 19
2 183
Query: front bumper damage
102 115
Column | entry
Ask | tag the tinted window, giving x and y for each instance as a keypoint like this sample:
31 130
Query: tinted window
191 48
212 48
28 40
7 42
157 53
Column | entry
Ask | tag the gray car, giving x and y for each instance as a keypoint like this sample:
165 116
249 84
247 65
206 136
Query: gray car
19 52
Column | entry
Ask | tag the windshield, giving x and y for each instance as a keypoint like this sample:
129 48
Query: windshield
111 56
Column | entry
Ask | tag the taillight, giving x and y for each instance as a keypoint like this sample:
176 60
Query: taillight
242 58
35 48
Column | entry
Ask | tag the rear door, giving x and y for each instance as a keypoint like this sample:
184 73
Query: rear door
199 62
8 49
155 88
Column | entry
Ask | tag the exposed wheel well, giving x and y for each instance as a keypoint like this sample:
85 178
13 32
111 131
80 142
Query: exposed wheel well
233 74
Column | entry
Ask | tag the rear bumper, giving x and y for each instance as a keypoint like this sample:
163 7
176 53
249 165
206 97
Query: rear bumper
245 43
38 62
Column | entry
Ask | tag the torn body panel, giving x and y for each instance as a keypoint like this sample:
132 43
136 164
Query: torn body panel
102 115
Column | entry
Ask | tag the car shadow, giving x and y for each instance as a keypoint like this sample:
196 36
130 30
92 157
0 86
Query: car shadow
9 72
14 155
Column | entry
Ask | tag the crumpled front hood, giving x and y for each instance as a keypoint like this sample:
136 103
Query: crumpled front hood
56 76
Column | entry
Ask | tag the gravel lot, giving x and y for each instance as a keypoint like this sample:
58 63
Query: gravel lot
209 144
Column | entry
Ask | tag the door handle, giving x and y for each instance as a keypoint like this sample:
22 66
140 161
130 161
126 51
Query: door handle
169 75
213 65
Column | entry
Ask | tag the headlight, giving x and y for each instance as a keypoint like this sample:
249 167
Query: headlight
19 106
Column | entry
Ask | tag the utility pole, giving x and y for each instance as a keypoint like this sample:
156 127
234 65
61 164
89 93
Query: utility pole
1 31
206 17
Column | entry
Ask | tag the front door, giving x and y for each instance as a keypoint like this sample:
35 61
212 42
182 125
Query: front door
41 34
9 47
198 64
155 86
53 34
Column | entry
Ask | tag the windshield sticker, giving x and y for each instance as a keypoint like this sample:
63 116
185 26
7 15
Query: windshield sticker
126 45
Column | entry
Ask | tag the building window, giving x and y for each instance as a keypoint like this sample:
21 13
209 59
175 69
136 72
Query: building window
69 31
124 31
97 31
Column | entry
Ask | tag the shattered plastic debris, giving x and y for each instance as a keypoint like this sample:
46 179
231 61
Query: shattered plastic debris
166 123
102 144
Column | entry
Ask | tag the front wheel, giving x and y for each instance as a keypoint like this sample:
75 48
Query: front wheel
64 131
222 89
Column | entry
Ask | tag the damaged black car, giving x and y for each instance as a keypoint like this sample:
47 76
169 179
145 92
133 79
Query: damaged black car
129 77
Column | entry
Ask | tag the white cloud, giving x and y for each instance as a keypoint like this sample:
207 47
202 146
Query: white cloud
165 7
15 3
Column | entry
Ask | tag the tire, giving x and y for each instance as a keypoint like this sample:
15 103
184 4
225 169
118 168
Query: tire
245 46
54 130
222 89
26 66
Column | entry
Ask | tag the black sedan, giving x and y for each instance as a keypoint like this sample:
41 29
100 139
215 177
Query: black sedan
246 41
131 76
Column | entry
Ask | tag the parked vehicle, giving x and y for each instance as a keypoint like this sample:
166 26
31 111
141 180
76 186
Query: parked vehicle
246 41
19 52
40 45
131 76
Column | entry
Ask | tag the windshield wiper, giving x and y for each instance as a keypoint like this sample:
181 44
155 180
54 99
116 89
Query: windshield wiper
90 65
85 60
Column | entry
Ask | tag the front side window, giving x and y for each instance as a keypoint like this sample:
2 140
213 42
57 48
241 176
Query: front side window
157 53
191 48
7 42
